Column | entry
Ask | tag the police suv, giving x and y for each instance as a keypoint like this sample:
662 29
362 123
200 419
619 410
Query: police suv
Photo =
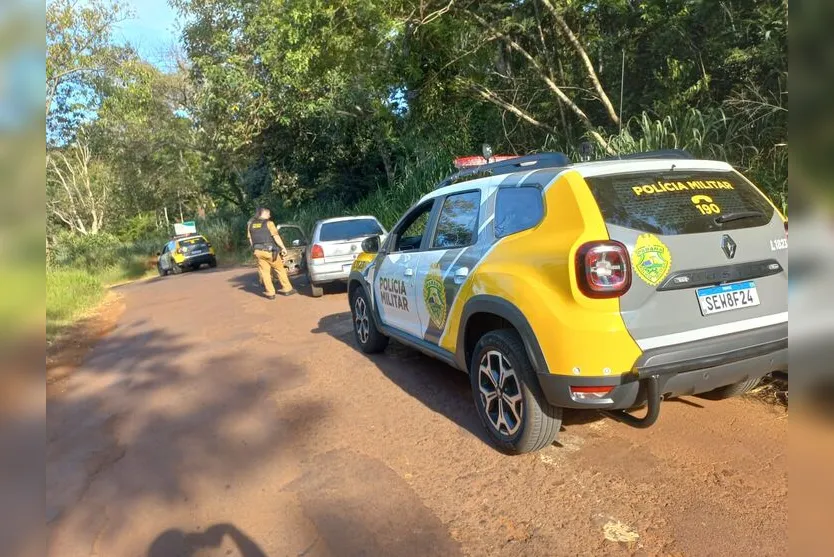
604 285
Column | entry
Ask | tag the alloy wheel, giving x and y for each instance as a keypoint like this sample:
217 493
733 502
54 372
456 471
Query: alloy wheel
500 392
360 317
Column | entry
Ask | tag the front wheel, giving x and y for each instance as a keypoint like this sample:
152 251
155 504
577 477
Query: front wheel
162 272
507 395
367 336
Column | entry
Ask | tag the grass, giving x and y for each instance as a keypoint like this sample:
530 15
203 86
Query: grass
70 294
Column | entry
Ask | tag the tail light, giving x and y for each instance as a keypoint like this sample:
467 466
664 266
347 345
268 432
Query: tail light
603 269
317 252
589 392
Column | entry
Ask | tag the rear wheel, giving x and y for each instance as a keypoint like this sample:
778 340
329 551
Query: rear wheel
213 262
175 269
317 291
368 337
162 272
730 391
507 395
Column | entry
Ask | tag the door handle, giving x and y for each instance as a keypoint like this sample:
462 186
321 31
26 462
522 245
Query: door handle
461 274
409 272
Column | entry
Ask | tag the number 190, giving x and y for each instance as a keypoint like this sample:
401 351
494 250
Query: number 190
708 208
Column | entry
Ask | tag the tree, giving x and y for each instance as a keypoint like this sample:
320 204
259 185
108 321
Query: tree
78 188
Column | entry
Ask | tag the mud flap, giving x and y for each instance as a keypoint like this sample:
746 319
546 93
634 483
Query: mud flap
653 400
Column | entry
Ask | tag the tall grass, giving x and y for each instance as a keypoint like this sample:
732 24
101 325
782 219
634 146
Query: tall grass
69 294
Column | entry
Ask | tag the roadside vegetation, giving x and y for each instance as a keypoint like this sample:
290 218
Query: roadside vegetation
359 107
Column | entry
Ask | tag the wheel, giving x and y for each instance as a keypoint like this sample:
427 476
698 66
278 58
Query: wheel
162 272
212 263
367 336
175 269
729 391
317 291
507 395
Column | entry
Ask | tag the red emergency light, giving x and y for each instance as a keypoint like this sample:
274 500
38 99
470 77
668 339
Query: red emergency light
468 162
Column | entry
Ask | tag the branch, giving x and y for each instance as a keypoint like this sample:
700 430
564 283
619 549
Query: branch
488 95
589 67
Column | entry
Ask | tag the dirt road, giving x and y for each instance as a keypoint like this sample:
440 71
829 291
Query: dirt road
212 421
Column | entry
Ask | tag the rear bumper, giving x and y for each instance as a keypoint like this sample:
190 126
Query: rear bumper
195 260
681 369
329 272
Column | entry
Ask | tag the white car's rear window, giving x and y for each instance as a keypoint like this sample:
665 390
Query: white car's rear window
348 230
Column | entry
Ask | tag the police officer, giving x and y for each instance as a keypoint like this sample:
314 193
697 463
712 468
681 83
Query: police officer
269 252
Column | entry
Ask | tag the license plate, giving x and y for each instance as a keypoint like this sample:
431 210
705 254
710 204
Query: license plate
727 297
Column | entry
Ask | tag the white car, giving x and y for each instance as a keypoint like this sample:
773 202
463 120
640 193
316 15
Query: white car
334 245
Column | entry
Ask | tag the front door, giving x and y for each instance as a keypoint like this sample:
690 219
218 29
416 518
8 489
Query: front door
296 244
395 283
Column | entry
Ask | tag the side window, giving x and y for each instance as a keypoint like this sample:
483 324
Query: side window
290 234
165 249
457 225
517 209
409 235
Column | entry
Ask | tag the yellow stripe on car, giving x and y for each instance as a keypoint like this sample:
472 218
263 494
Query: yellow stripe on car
535 271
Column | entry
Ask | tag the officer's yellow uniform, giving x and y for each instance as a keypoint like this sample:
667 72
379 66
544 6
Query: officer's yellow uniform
264 238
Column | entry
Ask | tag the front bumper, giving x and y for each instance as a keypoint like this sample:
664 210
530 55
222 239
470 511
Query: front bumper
681 369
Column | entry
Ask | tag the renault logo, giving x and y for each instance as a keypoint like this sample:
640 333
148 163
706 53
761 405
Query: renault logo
728 246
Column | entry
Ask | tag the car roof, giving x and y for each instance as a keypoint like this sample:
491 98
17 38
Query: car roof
340 219
586 169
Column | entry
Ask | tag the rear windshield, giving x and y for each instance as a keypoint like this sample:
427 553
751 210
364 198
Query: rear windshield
680 201
196 242
348 229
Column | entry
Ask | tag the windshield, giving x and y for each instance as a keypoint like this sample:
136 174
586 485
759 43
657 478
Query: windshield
680 201
349 229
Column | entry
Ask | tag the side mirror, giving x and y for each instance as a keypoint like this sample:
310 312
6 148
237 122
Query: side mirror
371 245
158 253
296 243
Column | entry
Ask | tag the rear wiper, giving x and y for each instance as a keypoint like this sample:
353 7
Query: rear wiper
721 219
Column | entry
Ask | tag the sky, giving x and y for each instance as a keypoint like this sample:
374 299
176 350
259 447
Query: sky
152 30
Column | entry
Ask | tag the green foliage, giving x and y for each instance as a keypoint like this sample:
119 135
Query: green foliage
69 293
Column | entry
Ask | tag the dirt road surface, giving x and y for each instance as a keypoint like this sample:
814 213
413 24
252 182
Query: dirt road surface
211 421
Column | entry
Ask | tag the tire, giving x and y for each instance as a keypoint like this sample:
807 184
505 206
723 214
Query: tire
161 272
212 263
534 423
730 391
175 269
317 291
368 337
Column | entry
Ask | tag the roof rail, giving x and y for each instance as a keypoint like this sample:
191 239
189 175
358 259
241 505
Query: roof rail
660 154
531 162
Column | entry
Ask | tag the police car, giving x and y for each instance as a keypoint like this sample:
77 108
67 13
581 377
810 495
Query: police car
188 251
603 285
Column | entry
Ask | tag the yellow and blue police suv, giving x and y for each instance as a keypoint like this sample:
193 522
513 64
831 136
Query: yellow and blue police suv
604 285
191 251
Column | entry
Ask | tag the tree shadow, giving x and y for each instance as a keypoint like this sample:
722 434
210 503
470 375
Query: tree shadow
250 282
176 543
151 414
439 387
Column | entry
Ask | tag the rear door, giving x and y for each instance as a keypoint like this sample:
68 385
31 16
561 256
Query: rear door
341 241
708 252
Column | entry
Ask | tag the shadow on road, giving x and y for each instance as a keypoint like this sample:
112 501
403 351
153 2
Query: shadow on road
151 414
441 388
251 282
176 543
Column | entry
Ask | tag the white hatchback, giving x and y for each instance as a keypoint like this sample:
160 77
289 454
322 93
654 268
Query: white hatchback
334 245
